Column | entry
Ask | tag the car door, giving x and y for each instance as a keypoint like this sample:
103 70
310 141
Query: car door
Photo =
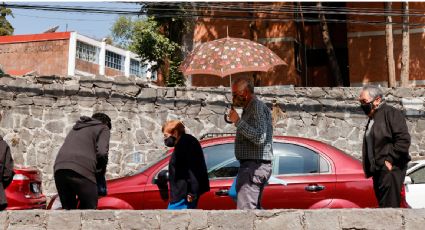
311 180
222 169
416 190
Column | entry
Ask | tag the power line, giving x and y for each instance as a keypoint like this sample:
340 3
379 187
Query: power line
272 15
66 19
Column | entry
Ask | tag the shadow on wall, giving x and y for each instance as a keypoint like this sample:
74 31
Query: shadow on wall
367 54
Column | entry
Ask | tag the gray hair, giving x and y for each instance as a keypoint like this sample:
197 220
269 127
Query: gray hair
374 91
244 84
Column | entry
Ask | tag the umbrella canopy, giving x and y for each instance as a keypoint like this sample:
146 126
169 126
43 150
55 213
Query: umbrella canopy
228 56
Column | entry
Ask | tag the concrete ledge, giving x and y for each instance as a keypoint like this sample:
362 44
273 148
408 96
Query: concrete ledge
388 219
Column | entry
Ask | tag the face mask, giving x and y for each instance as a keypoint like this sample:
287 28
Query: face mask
170 141
239 101
367 107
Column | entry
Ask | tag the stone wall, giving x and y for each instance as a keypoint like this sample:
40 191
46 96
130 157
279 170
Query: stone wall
38 112
388 219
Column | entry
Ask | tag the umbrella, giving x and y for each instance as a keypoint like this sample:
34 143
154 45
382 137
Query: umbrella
226 56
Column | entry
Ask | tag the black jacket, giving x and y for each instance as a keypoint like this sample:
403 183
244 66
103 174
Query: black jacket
187 169
6 171
85 150
391 139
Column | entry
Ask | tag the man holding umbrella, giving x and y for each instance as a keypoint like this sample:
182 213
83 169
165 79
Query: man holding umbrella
253 144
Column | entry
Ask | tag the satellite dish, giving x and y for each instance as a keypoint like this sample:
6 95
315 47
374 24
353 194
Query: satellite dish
51 30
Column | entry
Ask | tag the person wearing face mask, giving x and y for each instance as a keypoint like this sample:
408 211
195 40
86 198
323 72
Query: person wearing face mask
187 170
385 147
253 144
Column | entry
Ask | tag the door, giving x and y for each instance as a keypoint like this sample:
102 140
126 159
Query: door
310 178
415 191
155 195
222 169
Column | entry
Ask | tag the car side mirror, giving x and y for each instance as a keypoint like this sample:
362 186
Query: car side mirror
162 177
408 180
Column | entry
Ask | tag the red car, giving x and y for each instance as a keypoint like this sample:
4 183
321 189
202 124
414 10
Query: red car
25 190
318 176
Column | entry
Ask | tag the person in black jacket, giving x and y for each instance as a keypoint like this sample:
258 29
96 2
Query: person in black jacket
188 176
83 154
6 171
385 147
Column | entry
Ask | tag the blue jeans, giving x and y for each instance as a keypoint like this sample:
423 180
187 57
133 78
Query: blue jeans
183 204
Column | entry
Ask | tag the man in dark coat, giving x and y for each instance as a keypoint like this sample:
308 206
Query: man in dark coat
385 147
6 171
84 152
188 176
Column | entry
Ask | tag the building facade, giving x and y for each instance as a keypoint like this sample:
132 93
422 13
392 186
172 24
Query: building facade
297 37
68 54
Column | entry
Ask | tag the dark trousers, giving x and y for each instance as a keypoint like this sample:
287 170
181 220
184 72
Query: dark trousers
387 185
70 185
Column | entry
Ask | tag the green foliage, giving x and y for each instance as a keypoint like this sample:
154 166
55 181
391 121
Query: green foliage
145 38
157 39
122 31
5 27
175 77
150 44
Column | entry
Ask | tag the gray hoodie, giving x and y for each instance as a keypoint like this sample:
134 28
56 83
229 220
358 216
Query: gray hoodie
85 149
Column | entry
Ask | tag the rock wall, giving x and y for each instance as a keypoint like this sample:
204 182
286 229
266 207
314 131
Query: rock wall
389 219
38 112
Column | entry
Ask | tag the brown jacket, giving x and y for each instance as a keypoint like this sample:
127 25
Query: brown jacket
6 171
391 140
85 149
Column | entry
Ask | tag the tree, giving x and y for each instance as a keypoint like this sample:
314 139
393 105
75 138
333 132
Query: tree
144 38
404 76
157 38
5 27
390 45
122 31
173 26
336 72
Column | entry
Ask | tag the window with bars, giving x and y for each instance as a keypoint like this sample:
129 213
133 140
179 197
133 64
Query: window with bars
113 60
87 52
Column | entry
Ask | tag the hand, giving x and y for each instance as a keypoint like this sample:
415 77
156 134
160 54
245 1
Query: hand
190 198
233 116
389 165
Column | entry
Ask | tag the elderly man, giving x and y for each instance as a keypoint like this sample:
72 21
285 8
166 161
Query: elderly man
253 144
385 147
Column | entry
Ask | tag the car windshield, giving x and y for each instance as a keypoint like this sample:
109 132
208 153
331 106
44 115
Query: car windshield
411 164
144 168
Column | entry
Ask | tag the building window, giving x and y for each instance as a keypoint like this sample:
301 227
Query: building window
87 52
136 68
113 60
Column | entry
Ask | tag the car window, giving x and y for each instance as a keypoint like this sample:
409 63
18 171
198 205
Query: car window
295 159
217 154
418 176
144 168
228 168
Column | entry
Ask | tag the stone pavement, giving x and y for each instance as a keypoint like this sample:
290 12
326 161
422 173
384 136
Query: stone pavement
326 219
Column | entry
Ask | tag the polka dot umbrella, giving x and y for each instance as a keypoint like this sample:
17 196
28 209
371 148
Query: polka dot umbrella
228 56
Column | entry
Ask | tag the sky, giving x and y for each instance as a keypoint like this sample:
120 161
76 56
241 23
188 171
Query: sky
96 26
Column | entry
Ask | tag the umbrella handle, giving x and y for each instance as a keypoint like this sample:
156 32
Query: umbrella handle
226 116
